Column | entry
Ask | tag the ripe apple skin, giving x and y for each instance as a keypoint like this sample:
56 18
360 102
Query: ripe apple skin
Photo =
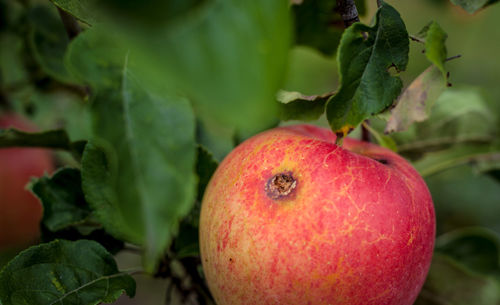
357 228
20 211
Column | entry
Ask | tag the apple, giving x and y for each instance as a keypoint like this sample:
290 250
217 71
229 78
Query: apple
289 217
20 211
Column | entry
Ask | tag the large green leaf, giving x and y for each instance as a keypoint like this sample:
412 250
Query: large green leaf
200 53
471 6
138 169
366 55
229 57
63 272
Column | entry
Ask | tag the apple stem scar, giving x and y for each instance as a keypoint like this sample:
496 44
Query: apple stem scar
280 185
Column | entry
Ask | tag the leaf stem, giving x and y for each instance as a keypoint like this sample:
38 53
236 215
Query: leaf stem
453 57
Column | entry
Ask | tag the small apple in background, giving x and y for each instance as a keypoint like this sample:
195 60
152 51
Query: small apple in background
291 218
20 211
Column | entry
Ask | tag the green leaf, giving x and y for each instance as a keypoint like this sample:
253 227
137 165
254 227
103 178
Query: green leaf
62 197
471 6
147 12
138 169
49 41
296 106
96 59
448 282
201 56
57 139
84 10
459 116
63 272
435 162
366 54
205 168
435 48
54 139
66 214
416 101
476 248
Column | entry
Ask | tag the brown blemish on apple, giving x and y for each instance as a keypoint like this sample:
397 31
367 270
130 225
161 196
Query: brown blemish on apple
280 185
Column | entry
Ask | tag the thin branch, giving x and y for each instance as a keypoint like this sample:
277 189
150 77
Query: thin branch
415 38
453 57
348 12
70 24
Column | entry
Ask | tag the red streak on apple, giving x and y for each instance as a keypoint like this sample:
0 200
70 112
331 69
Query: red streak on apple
354 225
20 211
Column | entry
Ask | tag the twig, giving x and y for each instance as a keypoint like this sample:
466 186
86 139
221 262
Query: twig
415 38
70 24
453 57
348 12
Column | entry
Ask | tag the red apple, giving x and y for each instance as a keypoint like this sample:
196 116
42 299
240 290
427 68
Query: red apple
291 218
20 211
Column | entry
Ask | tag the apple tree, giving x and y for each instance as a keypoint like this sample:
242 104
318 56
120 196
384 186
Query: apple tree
139 101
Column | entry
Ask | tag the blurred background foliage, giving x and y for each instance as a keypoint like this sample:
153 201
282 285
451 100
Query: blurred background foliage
457 150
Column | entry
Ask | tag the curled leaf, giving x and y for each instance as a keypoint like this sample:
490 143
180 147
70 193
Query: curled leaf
297 106
415 103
